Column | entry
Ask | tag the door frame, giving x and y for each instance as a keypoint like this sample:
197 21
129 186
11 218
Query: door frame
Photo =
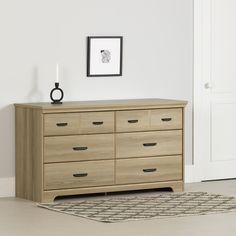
202 75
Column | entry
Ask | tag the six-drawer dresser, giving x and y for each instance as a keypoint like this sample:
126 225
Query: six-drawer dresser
98 146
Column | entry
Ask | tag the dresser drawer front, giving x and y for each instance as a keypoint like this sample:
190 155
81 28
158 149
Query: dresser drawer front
149 143
78 174
150 169
61 124
97 122
78 148
161 119
137 120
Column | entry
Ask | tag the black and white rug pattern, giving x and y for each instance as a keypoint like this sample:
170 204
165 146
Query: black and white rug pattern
140 208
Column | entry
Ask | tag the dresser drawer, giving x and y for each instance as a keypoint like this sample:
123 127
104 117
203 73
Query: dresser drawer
137 120
61 124
78 148
78 174
97 122
161 119
149 143
150 169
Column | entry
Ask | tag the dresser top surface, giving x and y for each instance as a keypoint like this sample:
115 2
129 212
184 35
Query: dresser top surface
106 104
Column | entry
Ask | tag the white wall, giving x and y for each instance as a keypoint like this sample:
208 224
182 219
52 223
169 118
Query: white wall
35 34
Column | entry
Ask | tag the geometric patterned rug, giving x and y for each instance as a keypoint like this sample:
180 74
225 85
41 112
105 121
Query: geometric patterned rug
165 205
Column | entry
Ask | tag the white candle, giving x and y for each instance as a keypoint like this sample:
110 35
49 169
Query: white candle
57 78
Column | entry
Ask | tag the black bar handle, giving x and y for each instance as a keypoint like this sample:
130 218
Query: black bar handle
62 124
149 144
80 148
97 122
80 175
150 170
166 119
132 121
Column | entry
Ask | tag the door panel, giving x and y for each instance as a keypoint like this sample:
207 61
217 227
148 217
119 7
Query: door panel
215 89
223 46
223 132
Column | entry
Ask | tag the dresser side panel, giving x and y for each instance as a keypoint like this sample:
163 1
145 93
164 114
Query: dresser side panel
28 153
37 154
183 146
20 153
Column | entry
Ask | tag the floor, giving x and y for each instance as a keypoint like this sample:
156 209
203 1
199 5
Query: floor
23 218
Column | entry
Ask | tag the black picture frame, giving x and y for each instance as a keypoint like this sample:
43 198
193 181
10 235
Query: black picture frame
89 63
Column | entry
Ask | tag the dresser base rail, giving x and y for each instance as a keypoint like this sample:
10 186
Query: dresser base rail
49 196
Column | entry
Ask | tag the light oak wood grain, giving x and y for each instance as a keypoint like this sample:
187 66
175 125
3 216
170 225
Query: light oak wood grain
137 120
48 155
133 144
106 105
96 122
149 169
149 120
29 154
62 175
162 119
49 196
78 148
61 124
183 144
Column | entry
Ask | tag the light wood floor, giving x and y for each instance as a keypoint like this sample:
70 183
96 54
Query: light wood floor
23 218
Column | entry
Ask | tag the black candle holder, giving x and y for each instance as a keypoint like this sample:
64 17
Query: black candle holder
56 101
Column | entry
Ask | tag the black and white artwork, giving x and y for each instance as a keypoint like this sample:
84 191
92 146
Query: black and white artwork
104 56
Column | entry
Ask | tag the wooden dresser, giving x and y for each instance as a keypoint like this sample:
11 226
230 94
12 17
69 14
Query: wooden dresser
98 146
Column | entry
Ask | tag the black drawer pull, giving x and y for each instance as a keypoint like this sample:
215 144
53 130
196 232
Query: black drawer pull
166 119
98 122
132 121
62 124
149 144
80 175
150 170
80 148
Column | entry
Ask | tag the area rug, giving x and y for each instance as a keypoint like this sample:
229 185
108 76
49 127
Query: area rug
119 209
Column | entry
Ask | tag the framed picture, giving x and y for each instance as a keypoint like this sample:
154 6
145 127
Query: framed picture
104 56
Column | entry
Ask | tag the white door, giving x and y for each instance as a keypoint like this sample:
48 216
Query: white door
215 88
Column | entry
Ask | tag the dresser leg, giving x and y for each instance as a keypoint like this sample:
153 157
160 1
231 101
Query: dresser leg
177 187
48 198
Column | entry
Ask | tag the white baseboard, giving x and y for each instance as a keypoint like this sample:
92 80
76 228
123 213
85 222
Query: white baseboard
7 187
191 175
